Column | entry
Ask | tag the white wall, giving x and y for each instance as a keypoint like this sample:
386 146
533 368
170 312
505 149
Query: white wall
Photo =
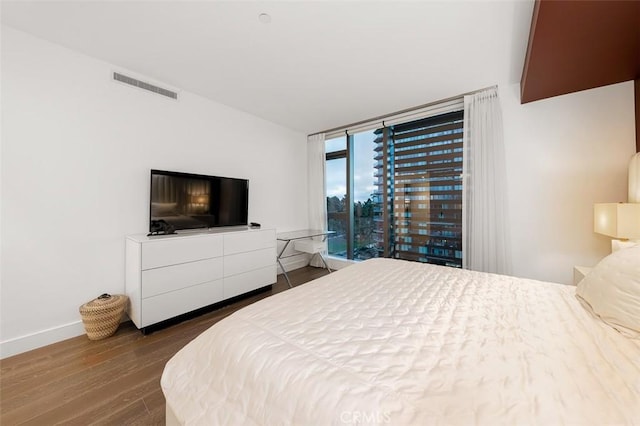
76 153
563 155
77 149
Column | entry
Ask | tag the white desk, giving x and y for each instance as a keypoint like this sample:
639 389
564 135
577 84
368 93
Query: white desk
288 237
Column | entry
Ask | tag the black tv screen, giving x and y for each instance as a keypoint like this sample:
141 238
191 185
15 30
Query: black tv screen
191 201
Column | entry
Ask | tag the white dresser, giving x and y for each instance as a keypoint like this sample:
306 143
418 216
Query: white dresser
167 276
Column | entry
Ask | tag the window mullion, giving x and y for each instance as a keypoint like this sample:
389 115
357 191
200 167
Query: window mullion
350 197
336 155
386 211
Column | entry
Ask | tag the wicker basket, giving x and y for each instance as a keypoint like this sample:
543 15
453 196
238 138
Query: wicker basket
101 316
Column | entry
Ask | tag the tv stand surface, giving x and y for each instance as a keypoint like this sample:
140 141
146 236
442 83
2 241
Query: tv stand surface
171 275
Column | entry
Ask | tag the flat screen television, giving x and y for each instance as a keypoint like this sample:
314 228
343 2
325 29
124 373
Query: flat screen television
191 201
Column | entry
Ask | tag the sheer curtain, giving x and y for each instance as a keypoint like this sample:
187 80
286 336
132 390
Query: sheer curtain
485 238
316 189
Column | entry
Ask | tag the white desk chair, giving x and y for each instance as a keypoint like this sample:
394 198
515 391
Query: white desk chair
312 247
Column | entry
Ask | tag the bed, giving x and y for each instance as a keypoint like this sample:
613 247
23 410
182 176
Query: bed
395 342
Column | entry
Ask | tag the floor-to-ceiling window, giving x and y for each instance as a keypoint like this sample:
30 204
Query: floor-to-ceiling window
427 216
396 191
364 194
336 184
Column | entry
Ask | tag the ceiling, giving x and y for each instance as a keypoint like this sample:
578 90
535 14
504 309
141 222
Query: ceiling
315 66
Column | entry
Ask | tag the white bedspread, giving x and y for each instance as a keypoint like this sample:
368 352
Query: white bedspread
395 342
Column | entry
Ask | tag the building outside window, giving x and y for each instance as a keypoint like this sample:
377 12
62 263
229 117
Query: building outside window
396 191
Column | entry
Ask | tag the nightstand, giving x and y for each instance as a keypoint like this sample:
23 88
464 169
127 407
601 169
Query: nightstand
579 272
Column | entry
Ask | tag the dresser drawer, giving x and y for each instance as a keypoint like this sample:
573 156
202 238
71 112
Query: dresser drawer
249 241
168 305
245 262
168 276
248 281
172 251
163 280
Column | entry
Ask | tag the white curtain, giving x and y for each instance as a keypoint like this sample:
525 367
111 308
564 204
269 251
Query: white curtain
316 189
485 239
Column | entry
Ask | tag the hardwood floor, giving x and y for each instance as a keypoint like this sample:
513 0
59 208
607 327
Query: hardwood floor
111 381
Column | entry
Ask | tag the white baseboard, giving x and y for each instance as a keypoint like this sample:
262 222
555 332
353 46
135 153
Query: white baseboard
294 262
25 343
302 260
28 342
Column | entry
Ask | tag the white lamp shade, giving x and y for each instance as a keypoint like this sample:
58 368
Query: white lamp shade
617 220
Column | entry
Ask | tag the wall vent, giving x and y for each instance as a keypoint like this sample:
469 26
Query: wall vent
146 86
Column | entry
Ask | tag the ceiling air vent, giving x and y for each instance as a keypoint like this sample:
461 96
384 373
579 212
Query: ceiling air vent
146 86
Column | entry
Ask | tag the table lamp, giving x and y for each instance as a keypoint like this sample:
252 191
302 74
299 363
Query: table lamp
618 220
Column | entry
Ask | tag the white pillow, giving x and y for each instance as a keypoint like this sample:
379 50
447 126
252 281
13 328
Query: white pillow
612 290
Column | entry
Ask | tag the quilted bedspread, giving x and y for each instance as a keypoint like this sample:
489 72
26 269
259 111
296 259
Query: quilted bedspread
395 342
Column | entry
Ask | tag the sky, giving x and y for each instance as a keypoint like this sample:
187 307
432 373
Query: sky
363 162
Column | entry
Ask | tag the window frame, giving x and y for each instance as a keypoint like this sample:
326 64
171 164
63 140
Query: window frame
389 196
